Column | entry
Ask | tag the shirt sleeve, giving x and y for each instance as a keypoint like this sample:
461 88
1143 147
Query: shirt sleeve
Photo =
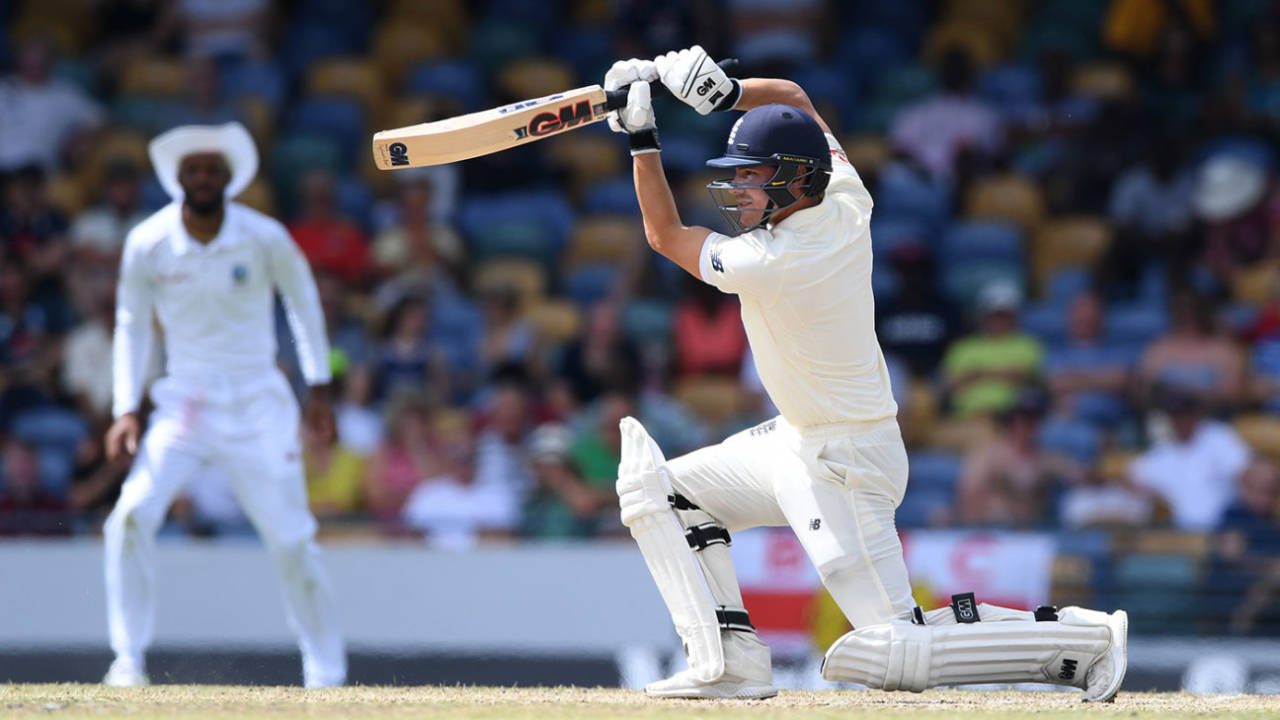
743 264
292 277
132 339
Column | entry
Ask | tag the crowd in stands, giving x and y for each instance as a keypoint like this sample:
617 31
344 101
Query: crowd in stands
1076 232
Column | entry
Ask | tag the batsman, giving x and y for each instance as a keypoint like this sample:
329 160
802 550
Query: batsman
832 465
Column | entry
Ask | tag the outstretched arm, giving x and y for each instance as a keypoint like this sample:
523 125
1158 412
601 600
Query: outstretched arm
666 234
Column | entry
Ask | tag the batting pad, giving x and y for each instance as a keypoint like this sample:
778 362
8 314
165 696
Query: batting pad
905 656
643 491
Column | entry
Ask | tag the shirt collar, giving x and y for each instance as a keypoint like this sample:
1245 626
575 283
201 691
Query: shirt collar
182 242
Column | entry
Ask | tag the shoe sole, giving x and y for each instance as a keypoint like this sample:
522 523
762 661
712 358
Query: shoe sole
1119 624
712 692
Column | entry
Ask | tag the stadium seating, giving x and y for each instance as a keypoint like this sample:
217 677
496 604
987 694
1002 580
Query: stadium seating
1014 198
526 277
449 78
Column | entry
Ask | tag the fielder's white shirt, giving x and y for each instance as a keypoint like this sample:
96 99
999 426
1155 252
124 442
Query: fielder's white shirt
807 306
214 302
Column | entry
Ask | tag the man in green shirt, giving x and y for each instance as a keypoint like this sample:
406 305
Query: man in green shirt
984 370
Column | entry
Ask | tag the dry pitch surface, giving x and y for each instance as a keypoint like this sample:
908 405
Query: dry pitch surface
208 701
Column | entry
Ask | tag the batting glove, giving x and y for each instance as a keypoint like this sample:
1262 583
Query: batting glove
637 120
693 77
624 73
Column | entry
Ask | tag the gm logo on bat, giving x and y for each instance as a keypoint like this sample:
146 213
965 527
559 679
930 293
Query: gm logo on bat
563 118
399 154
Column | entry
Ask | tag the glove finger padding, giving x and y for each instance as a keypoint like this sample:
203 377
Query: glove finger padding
624 73
693 77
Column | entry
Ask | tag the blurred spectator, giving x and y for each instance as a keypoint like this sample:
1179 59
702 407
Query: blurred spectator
601 356
405 361
500 448
227 29
452 508
708 334
335 474
936 130
330 241
597 448
358 422
1088 377
1193 470
348 337
103 227
35 235
1244 570
561 504
406 457
129 30
984 370
85 375
508 337
42 119
1007 481
1136 26
1232 198
916 324
24 325
1194 356
25 507
1151 207
415 240
1097 502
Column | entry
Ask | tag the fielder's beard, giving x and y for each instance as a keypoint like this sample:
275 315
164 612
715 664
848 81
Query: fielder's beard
205 209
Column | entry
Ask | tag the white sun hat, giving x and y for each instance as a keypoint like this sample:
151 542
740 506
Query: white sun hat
1227 186
232 140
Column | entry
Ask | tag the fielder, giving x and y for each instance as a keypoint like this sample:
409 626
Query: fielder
208 269
832 465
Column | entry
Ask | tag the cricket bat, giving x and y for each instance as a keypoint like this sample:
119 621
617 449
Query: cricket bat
488 131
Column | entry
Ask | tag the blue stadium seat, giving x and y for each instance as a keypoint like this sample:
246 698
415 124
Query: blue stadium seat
340 119
617 196
497 41
1014 89
293 155
355 200
648 321
1136 323
974 240
589 51
588 283
1047 321
905 193
1164 586
684 153
1076 439
307 43
449 78
962 281
885 282
919 507
258 79
904 84
1066 283
154 196
871 51
148 114
54 432
891 232
934 470
529 224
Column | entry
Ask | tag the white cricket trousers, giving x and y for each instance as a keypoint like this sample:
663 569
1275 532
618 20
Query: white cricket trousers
837 486
250 427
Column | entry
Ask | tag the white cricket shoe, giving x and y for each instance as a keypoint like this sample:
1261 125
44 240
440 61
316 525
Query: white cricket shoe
748 674
125 673
1105 676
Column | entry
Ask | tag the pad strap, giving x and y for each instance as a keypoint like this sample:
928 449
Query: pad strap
734 619
700 536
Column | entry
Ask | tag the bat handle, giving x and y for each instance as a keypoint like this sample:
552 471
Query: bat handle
617 99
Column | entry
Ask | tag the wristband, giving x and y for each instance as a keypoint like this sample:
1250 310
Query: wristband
729 100
645 141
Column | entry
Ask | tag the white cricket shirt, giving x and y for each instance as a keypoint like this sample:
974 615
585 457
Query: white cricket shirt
214 302
805 289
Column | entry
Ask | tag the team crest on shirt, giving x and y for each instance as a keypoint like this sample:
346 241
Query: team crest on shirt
239 274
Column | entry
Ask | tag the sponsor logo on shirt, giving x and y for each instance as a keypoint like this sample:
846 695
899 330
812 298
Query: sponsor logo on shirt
715 261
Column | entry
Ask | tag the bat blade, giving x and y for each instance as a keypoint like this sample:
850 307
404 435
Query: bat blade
488 131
